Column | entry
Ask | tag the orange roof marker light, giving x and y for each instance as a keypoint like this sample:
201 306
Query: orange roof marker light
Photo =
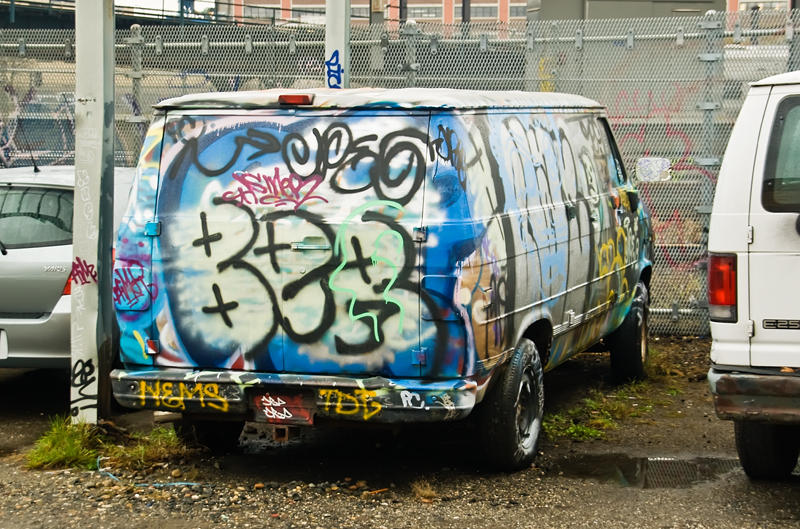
295 99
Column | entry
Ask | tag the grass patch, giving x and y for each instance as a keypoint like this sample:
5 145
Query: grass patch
143 450
599 412
67 445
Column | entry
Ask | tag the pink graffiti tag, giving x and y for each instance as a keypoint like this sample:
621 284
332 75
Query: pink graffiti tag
129 286
273 190
83 273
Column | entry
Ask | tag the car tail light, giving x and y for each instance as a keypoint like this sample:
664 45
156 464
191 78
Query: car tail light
722 287
295 99
68 287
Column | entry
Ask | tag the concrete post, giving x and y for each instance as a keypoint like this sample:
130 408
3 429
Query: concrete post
337 43
93 213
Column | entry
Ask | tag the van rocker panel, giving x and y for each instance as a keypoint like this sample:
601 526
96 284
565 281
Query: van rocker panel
755 394
292 398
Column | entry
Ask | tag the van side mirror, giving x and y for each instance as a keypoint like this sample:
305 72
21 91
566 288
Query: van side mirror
653 170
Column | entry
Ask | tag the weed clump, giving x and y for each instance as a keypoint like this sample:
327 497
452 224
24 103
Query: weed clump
79 445
66 445
141 451
598 413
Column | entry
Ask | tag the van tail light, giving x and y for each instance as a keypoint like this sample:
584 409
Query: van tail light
295 99
722 287
68 287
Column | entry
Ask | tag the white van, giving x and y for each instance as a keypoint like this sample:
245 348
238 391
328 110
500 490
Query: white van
382 256
753 280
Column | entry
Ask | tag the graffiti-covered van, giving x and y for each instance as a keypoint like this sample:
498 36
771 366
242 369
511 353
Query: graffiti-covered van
381 256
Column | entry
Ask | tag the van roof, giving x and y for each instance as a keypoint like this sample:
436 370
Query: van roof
404 98
781 78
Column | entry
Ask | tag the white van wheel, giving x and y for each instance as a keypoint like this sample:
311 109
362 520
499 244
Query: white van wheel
511 414
767 451
629 343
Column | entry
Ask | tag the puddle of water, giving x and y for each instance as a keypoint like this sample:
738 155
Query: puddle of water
645 472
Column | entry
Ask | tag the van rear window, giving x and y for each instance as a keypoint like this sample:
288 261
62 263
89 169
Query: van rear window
781 190
35 216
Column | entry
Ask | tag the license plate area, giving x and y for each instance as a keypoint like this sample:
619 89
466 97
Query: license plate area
283 407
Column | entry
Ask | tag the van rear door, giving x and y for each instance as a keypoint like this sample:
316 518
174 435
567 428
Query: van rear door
287 239
774 254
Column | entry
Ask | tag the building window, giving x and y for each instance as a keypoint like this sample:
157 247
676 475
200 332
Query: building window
518 11
359 12
477 12
424 12
259 13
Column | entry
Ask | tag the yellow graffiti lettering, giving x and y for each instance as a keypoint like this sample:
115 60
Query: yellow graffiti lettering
347 404
153 391
168 398
343 403
212 392
173 395
367 403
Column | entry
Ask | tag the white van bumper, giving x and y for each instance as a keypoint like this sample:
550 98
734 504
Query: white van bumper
765 394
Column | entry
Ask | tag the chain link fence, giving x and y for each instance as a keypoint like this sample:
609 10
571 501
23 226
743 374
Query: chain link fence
673 88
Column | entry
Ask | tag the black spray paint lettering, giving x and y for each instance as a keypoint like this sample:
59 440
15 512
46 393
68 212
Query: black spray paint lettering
83 376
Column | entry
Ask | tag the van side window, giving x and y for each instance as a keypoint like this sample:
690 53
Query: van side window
781 189
618 169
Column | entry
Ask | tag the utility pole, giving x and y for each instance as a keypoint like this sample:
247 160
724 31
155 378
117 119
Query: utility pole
92 229
376 11
337 43
403 11
466 7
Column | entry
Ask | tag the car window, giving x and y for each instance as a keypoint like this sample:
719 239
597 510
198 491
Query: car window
35 216
781 190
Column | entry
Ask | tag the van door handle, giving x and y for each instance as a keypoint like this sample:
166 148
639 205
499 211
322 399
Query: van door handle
311 243
571 210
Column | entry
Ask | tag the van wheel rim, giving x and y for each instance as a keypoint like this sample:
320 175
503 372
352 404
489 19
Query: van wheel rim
643 338
525 409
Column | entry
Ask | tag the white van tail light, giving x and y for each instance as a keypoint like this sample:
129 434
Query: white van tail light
722 287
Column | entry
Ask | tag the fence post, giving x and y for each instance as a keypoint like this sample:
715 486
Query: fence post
337 43
712 57
409 32
136 43
712 26
794 48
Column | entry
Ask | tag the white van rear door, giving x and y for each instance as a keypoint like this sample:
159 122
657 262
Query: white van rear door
774 254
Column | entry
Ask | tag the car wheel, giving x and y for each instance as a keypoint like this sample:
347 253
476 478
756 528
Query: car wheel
218 436
767 451
629 342
511 414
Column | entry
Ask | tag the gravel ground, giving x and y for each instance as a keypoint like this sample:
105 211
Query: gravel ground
673 467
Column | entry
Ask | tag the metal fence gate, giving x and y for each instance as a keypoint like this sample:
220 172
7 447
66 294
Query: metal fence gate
673 87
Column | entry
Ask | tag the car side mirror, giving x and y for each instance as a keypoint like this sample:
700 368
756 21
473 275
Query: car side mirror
653 169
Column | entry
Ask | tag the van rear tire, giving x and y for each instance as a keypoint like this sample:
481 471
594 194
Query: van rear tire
510 419
629 342
767 451
218 436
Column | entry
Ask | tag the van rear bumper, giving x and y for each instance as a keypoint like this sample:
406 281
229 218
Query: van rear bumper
765 395
293 399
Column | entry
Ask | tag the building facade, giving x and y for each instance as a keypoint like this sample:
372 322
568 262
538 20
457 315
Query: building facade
451 11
